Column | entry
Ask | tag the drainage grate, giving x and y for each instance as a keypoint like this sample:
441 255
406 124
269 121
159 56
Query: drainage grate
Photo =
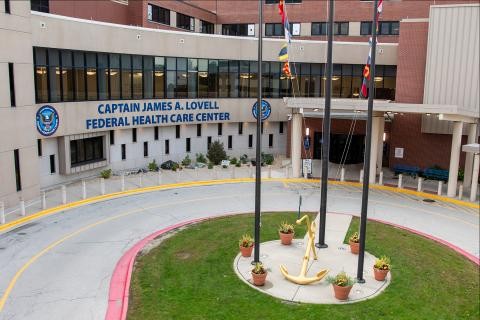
428 200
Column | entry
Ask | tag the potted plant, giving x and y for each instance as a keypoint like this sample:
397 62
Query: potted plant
354 242
381 268
342 284
246 245
286 232
259 274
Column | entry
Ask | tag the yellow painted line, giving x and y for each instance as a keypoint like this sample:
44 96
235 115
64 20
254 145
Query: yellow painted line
114 195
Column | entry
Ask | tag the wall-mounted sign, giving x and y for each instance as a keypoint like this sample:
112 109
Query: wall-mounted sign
306 142
399 153
47 120
251 30
307 166
266 110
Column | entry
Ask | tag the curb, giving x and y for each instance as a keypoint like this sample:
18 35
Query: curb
119 291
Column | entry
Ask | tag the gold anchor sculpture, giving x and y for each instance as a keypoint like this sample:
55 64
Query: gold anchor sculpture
302 278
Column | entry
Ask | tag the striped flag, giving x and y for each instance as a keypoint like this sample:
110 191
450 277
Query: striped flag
366 73
283 54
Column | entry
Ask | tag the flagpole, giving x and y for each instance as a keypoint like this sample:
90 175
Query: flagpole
326 133
258 161
368 147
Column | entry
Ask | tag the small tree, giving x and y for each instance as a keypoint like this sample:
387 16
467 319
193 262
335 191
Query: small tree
216 153
186 161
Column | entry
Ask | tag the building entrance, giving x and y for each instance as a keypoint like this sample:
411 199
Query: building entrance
338 143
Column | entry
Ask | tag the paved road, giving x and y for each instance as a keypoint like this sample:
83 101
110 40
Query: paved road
62 264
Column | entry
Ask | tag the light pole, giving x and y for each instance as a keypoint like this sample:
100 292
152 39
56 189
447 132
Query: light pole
368 147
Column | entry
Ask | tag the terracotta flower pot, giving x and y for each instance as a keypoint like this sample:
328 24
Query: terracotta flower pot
379 274
354 247
259 279
286 238
246 251
341 293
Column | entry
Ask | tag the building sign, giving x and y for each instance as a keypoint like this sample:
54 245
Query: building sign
47 120
307 166
266 110
399 153
126 114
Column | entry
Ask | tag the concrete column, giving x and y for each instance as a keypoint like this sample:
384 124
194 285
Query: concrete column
374 151
440 187
2 213
472 137
380 178
380 144
44 200
361 176
64 194
296 145
123 182
22 207
84 189
473 190
102 186
419 186
460 192
454 159
342 174
400 181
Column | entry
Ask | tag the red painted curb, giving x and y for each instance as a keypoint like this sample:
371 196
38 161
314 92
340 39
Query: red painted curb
121 277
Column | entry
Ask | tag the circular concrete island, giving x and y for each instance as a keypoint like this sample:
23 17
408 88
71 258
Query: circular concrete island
336 258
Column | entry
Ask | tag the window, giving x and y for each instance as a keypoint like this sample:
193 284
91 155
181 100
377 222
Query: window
223 79
137 77
54 75
39 147
389 28
219 129
366 28
241 29
185 22
187 144
41 84
52 164
91 59
134 135
112 137
18 177
7 10
321 28
212 78
286 1
240 128
145 149
12 84
147 77
124 152
261 127
159 77
277 29
280 127
167 146
192 77
209 142
270 140
155 133
39 5
114 76
158 14
207 27
79 75
199 130
126 80
88 150
177 131
250 140
230 142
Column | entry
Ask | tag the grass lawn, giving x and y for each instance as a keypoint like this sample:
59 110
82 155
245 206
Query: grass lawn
190 276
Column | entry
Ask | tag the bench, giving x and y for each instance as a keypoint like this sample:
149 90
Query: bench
436 174
404 169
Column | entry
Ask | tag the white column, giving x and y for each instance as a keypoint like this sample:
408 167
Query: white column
44 200
342 174
460 192
296 145
102 186
84 189
2 213
454 159
419 186
380 178
361 176
472 137
64 194
380 144
123 182
22 207
400 181
473 190
374 151
440 186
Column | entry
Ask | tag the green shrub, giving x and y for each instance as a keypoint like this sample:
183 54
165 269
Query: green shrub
186 161
105 174
210 165
153 166
244 159
201 158
238 164
175 166
267 158
216 153
233 161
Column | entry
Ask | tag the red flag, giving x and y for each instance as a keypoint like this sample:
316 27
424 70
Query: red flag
281 10
286 69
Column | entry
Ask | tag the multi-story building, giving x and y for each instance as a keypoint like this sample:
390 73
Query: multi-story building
117 84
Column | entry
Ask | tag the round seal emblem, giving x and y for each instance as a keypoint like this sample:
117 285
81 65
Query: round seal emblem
266 110
47 120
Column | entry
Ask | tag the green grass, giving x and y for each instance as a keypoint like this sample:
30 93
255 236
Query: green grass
190 276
